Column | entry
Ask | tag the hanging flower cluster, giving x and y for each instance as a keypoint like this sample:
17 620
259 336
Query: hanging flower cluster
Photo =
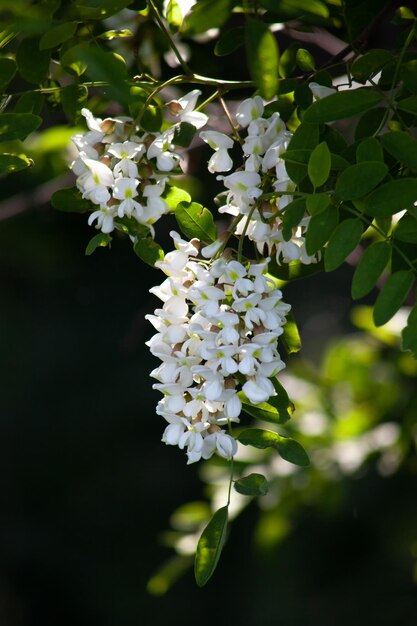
261 173
217 334
124 170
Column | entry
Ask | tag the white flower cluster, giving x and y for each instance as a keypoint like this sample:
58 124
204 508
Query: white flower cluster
263 172
217 333
123 170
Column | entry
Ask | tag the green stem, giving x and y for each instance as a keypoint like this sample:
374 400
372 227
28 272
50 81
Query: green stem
229 119
167 34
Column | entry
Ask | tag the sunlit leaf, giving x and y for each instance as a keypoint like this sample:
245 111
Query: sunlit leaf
206 14
291 337
174 195
13 163
196 221
263 57
210 546
102 240
252 485
288 448
149 251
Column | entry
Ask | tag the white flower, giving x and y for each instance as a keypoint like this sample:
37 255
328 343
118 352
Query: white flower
320 91
248 110
185 109
104 217
220 442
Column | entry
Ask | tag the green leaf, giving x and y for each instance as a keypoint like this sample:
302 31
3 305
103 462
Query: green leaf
408 74
109 68
196 222
319 164
252 485
149 251
294 213
100 9
206 14
317 202
401 146
184 134
210 546
174 195
392 295
278 410
342 242
263 57
288 61
17 125
230 41
72 59
369 150
291 337
408 104
305 60
391 197
109 35
174 14
320 228
406 229
70 201
409 333
73 98
358 180
57 35
30 102
370 64
152 119
291 9
370 267
14 163
288 449
343 104
102 240
7 71
306 137
369 123
32 63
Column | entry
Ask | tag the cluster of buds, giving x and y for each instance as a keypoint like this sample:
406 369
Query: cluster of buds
261 173
124 170
217 334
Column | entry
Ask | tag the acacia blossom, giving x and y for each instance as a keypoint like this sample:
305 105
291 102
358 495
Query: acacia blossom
217 334
124 170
